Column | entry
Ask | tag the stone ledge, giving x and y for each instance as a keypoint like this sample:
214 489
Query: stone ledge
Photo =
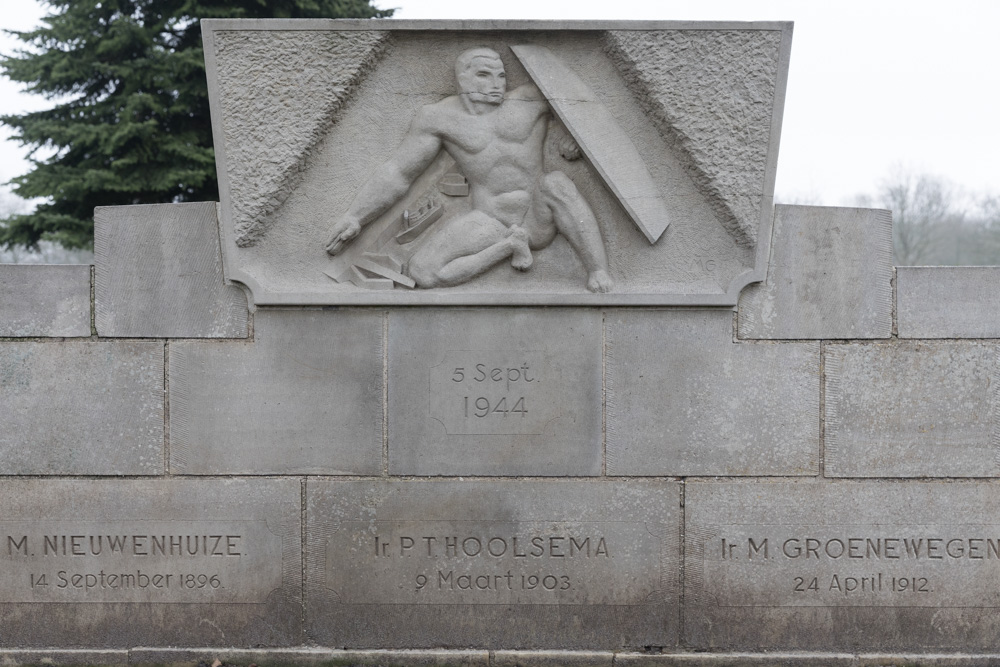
175 657
190 657
24 657
553 659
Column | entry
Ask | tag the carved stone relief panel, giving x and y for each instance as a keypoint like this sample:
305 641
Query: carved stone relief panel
396 162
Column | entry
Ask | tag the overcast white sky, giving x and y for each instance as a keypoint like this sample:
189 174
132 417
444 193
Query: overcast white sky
872 83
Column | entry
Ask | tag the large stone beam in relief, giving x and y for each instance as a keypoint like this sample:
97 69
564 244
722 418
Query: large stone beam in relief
600 137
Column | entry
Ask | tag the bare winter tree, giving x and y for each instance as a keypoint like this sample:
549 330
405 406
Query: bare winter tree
924 213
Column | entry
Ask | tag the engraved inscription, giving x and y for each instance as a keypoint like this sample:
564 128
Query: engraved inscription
478 562
215 561
848 565
490 392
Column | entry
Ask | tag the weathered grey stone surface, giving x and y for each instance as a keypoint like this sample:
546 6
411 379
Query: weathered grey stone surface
458 658
912 410
121 563
44 300
703 90
81 408
495 392
180 657
553 659
26 657
304 397
829 276
255 96
948 301
684 399
807 659
735 659
842 565
158 274
431 563
704 117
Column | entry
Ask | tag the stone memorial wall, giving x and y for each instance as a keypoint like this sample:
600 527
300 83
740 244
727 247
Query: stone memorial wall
355 415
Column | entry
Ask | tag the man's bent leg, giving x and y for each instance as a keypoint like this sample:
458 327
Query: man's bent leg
466 247
574 220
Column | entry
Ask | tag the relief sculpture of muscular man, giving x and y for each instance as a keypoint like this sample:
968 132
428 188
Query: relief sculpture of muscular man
497 139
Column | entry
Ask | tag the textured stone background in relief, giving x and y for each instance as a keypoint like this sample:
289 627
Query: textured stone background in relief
295 81
710 93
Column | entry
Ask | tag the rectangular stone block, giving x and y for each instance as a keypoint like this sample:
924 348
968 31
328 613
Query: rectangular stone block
684 399
44 300
81 408
119 563
495 392
304 397
159 274
947 301
829 276
912 410
504 565
843 565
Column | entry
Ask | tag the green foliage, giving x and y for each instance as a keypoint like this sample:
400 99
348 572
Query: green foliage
130 123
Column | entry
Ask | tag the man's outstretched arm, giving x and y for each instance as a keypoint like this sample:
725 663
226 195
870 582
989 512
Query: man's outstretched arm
388 184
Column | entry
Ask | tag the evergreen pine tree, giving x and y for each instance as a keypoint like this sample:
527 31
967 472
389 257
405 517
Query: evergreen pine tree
131 122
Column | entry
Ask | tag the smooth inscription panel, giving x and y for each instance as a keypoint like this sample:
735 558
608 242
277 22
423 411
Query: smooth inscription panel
495 392
150 561
514 564
140 561
846 565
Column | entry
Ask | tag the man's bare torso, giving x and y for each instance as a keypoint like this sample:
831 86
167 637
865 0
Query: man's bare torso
500 152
